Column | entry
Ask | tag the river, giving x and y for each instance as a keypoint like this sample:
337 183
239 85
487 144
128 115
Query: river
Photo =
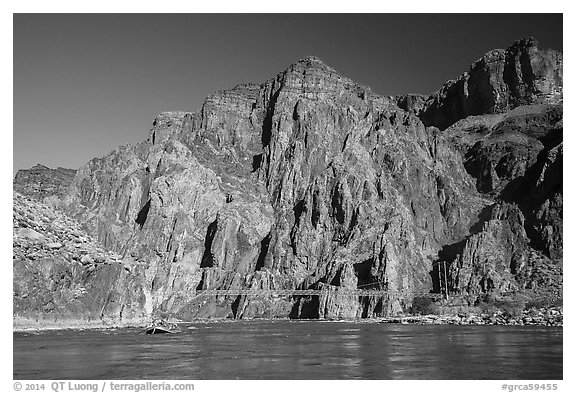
293 350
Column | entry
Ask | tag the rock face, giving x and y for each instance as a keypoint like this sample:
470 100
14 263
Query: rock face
304 181
497 82
310 180
41 182
514 152
519 159
61 273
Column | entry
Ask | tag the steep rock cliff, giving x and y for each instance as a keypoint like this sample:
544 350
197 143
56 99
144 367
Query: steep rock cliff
281 185
513 148
500 80
310 180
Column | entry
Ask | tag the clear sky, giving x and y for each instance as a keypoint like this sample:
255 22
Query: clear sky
84 84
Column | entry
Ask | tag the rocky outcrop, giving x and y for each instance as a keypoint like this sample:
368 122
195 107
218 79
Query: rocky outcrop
499 81
490 258
504 116
61 274
515 157
312 181
281 185
41 182
413 103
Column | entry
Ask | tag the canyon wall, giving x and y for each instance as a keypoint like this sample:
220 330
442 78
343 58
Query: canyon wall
312 181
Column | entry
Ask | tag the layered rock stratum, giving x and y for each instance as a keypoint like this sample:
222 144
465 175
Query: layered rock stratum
312 181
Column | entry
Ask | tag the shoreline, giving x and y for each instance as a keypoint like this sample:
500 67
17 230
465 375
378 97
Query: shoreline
20 324
544 317
478 320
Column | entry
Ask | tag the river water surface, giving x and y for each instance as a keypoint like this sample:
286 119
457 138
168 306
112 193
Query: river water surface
293 350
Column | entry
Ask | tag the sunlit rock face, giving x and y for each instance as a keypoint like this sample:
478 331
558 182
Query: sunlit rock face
62 276
312 181
499 81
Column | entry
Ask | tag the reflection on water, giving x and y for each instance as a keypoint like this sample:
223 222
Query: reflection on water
294 350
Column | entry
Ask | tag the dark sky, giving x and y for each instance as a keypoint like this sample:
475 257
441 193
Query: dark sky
84 84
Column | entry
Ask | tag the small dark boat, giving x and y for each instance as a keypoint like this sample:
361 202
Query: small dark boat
161 327
157 330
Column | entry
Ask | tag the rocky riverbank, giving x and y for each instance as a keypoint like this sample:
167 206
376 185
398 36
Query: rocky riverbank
23 324
552 316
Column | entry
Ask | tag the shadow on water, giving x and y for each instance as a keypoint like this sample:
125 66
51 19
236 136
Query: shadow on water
294 350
